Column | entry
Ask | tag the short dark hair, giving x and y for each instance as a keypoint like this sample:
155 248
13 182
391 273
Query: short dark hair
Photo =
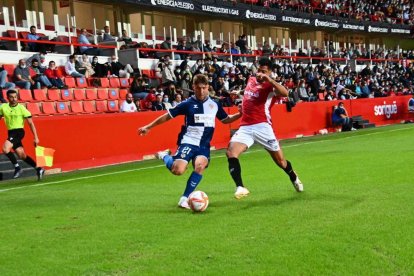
265 62
11 91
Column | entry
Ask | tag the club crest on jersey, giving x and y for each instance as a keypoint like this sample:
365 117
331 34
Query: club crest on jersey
195 106
211 106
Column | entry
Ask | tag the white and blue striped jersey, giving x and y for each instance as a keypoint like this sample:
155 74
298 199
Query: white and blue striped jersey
199 120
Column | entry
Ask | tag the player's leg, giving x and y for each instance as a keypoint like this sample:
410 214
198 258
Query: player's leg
265 136
279 158
7 147
239 143
200 164
22 155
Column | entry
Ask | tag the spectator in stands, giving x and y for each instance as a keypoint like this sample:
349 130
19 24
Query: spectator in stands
55 76
128 105
168 76
411 104
88 50
182 46
107 35
166 45
186 85
41 57
22 77
101 69
119 70
178 100
87 65
70 68
4 84
302 91
129 43
157 104
38 47
340 117
139 88
166 102
40 76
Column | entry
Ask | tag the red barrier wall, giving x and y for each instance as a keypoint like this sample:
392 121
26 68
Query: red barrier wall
92 140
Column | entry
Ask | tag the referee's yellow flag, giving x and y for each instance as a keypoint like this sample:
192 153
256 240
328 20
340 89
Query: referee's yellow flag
44 156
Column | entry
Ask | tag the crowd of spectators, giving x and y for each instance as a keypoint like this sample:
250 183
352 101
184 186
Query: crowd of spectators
389 11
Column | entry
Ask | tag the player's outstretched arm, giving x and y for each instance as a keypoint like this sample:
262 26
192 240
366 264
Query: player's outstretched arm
160 120
233 117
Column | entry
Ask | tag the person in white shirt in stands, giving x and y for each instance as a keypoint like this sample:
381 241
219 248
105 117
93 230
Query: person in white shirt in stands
129 105
70 68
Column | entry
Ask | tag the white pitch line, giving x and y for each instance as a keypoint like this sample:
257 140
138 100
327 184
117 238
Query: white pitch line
159 166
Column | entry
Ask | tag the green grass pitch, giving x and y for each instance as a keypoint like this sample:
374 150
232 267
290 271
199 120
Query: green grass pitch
355 217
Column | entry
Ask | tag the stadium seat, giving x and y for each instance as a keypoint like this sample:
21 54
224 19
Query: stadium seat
70 82
321 97
23 34
62 108
113 94
91 93
114 82
102 106
53 94
104 82
113 106
123 93
89 106
146 72
25 95
76 107
9 68
79 94
40 95
66 94
102 93
49 108
11 33
81 83
124 82
34 109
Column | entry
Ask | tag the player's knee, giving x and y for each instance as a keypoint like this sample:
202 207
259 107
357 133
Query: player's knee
178 170
5 150
230 153
22 155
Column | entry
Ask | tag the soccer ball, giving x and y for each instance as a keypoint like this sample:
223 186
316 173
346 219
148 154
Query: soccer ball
198 201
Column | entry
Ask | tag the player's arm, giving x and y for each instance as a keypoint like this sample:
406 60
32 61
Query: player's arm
160 120
279 89
33 129
233 117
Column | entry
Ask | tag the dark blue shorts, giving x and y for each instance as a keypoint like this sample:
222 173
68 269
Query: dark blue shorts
189 152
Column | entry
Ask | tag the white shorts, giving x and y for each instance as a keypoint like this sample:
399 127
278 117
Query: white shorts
261 133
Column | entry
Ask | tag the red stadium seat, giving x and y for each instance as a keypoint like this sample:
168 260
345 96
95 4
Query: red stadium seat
76 107
25 95
79 94
34 109
113 106
49 108
102 106
53 94
91 93
40 95
124 82
113 94
23 34
123 93
81 83
9 68
70 82
89 106
62 108
114 82
146 72
102 93
104 82
66 94
11 33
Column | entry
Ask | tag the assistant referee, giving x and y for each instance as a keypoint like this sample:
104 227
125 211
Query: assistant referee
14 115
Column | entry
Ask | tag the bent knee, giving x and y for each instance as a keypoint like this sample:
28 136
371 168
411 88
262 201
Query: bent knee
178 171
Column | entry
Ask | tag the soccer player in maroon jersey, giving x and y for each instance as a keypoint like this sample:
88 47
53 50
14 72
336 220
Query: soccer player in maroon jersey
260 94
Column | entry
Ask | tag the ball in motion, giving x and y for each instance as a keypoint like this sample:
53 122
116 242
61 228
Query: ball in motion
198 201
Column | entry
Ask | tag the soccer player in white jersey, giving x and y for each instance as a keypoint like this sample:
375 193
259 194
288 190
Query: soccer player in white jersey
260 94
194 139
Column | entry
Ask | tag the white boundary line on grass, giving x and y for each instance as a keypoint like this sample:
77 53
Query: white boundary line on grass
159 166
